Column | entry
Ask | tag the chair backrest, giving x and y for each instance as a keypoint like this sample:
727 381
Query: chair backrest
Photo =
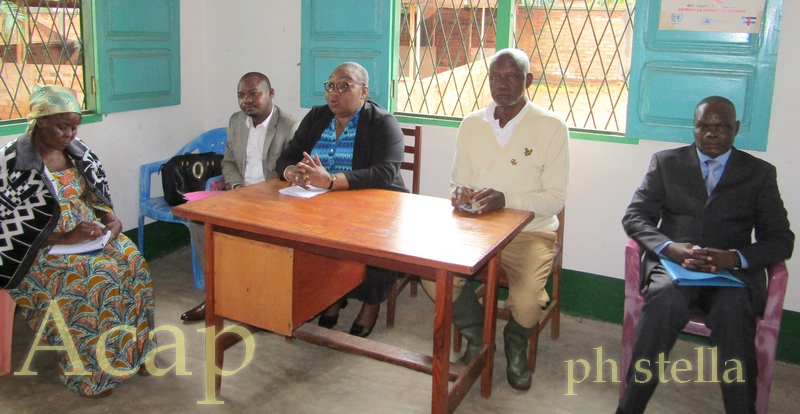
210 141
767 329
416 151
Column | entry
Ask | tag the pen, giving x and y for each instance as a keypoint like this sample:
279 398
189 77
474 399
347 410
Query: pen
77 217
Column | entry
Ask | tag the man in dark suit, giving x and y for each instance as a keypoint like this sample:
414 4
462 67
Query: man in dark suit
699 206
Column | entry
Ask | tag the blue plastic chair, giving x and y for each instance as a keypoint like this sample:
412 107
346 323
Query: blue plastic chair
157 207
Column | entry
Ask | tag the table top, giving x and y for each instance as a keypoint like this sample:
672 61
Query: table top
385 226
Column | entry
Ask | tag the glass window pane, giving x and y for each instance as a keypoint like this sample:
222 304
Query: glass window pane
40 42
444 50
579 49
580 53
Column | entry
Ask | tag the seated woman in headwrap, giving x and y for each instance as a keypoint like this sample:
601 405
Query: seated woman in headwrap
53 190
350 143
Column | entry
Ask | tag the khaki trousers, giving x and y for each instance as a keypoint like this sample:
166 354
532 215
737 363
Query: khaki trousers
527 261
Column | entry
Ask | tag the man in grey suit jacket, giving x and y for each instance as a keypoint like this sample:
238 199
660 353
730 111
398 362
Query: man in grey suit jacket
256 137
702 214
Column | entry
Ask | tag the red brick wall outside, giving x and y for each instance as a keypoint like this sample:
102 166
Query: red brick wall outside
53 61
562 61
448 40
558 57
49 76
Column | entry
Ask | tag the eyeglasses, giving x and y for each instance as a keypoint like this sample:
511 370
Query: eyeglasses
342 87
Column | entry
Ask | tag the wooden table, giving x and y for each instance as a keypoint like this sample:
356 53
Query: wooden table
274 261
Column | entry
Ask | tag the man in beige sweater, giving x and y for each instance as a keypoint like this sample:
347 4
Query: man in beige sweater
512 154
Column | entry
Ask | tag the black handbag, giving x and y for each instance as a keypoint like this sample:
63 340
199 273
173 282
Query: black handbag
188 172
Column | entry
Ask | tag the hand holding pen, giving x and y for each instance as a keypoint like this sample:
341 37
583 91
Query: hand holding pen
87 230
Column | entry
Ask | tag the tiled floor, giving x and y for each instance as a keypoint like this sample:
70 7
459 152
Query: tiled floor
296 377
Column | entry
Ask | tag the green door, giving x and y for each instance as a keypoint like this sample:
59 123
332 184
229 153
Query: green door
673 70
137 52
336 31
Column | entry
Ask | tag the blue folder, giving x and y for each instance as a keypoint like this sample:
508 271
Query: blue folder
684 277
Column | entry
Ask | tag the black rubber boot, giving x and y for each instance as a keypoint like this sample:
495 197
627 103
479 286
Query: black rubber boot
515 338
468 318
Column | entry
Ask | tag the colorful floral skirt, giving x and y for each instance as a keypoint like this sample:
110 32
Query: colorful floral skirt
107 295
95 294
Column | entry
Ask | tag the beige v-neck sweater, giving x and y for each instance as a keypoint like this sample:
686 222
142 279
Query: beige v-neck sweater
531 170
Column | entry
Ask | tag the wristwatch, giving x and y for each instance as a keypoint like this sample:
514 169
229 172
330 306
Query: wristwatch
332 178
737 257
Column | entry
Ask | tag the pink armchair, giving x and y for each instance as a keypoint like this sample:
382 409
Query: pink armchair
766 333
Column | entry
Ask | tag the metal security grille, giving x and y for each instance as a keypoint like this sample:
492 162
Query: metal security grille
41 43
579 51
444 51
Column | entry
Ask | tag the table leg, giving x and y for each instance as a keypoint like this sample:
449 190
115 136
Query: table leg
441 340
213 322
490 324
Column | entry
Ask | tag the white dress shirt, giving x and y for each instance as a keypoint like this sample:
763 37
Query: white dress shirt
253 164
503 134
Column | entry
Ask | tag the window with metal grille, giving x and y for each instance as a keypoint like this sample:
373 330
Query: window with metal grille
41 43
579 52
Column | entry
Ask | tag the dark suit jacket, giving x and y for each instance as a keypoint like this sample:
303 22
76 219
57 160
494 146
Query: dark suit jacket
279 131
745 199
377 151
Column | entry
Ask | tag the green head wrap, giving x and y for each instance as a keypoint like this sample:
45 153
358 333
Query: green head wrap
50 100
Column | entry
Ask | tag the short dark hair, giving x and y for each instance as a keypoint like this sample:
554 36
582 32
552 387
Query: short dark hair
716 100
262 77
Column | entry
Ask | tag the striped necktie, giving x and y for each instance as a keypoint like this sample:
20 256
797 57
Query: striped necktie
712 178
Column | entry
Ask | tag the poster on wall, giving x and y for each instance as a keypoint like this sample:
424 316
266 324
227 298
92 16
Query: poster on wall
730 16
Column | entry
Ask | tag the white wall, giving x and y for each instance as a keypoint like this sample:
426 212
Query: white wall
252 35
221 40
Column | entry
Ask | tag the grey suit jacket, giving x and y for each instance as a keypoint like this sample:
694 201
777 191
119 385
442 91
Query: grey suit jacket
279 132
672 204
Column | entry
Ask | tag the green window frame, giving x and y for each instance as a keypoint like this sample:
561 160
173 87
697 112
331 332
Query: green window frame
131 57
507 26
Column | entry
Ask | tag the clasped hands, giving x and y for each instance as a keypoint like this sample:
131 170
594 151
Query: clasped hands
703 259
308 172
482 201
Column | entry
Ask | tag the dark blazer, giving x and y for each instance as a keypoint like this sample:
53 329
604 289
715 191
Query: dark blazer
745 199
280 130
377 151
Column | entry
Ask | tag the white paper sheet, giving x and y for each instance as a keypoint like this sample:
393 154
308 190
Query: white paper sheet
82 247
297 191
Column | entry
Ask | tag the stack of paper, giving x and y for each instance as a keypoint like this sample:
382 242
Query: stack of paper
297 191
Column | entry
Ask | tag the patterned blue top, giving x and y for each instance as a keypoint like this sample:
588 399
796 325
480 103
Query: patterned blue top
337 156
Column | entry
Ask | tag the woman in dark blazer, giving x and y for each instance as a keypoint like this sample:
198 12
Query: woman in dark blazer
350 143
